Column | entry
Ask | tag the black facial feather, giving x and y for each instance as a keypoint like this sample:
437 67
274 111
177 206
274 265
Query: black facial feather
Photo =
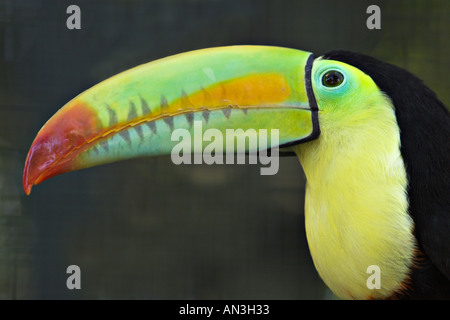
424 124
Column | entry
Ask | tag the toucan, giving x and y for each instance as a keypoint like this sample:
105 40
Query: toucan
372 139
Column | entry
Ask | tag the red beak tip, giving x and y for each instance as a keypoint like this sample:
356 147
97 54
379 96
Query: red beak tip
27 190
26 184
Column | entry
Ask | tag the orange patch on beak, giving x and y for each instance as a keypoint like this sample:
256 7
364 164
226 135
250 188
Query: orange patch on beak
254 90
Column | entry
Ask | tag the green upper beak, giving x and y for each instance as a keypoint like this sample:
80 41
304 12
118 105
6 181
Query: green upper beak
134 113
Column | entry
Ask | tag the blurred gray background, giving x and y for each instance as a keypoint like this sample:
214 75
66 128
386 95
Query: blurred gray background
145 228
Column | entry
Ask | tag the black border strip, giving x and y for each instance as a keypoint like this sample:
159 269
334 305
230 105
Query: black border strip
312 100
312 105
308 83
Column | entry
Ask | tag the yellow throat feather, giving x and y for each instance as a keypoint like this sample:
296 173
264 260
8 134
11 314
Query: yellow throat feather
356 204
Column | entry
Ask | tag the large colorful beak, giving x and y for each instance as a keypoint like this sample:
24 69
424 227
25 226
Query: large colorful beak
134 113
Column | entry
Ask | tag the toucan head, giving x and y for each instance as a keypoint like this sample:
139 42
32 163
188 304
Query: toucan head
136 112
372 140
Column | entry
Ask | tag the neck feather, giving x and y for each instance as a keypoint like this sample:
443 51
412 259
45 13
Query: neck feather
356 204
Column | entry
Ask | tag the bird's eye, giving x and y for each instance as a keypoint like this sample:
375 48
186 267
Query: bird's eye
332 79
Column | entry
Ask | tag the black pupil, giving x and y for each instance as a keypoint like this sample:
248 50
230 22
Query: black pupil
332 78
